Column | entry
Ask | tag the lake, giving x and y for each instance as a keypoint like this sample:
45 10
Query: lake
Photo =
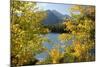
53 37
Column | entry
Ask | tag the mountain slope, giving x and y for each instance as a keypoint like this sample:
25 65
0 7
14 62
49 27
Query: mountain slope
53 17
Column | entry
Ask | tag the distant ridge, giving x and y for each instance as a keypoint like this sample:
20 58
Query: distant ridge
54 17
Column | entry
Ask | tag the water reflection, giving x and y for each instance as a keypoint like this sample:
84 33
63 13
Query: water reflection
53 37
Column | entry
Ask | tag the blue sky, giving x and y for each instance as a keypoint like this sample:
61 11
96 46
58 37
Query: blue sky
62 8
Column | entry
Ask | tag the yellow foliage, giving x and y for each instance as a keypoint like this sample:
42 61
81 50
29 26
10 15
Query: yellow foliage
63 36
78 49
25 22
55 55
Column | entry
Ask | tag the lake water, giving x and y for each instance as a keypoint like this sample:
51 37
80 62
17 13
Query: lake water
53 37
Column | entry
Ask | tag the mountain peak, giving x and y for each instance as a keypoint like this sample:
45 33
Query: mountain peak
53 17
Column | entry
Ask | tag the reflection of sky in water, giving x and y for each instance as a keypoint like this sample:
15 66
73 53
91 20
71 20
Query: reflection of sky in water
54 38
47 45
42 56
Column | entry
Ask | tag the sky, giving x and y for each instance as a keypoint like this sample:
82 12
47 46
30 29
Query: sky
62 8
